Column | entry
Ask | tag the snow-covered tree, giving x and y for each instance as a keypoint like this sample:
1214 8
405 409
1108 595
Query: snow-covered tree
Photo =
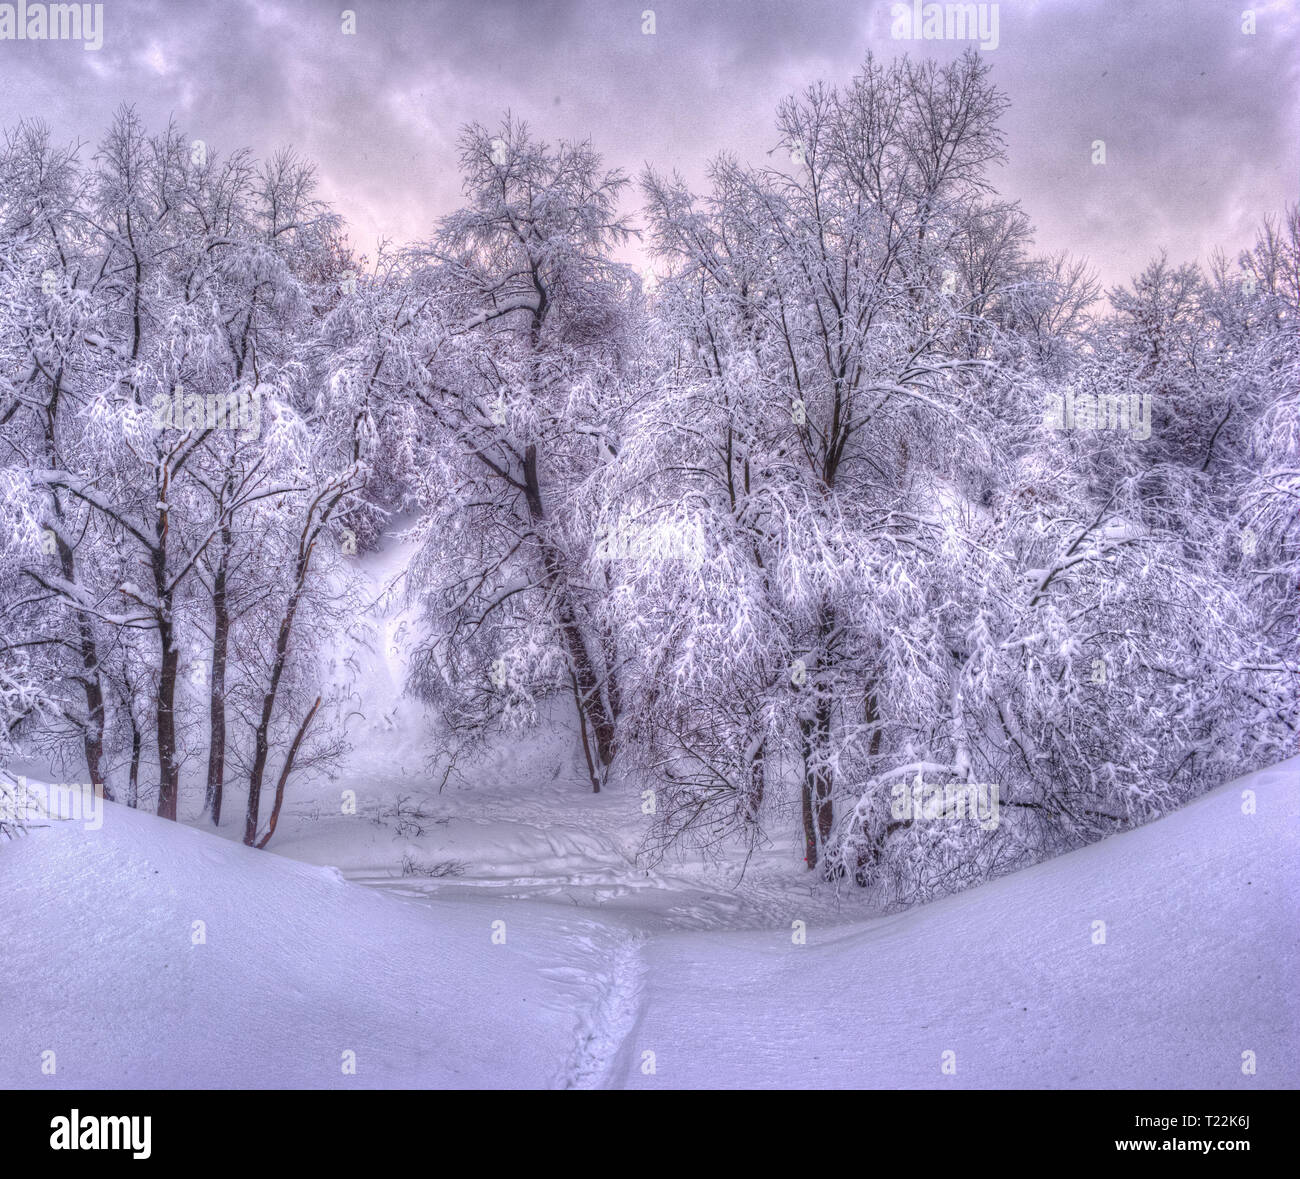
513 374
159 307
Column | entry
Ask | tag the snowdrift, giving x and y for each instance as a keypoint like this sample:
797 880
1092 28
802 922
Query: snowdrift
296 967
1199 965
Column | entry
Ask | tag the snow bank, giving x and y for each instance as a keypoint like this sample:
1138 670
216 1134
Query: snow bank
1199 964
98 964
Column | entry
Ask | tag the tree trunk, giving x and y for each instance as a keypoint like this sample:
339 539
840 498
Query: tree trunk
168 770
311 530
815 730
168 776
285 772
817 782
217 696
262 738
93 738
133 774
592 773
591 701
869 854
93 735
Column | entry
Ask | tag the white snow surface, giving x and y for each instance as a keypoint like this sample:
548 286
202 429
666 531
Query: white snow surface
299 965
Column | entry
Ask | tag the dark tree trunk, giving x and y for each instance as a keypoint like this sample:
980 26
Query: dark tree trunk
262 738
311 529
133 774
815 731
168 770
217 697
285 772
591 702
93 734
592 773
817 782
870 853
168 776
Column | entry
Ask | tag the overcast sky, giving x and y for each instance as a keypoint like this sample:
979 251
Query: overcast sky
1200 119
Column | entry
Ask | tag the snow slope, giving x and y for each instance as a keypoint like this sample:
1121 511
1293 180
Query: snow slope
97 963
299 966
1200 964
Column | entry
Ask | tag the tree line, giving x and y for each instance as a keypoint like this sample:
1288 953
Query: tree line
852 489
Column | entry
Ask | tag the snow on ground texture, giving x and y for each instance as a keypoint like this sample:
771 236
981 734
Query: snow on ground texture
300 965
1199 965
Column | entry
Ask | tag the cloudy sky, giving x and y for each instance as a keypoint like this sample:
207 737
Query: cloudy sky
1200 118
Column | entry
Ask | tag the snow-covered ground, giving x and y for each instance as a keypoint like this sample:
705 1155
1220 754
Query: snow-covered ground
1199 963
296 966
